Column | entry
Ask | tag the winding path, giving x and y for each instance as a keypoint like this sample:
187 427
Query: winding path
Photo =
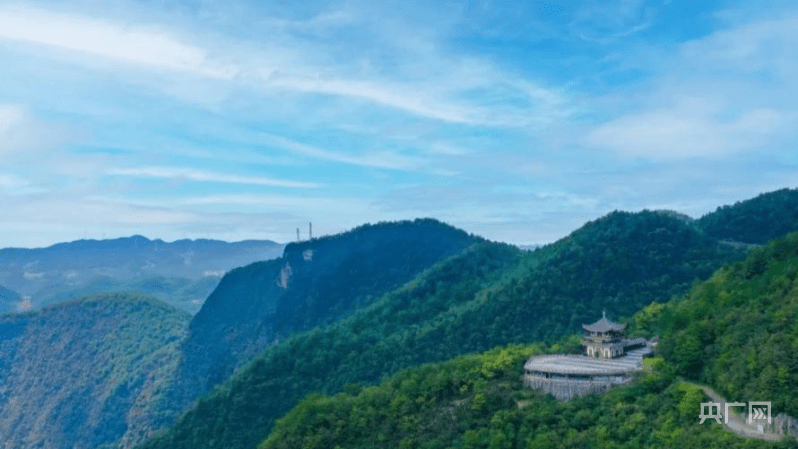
736 423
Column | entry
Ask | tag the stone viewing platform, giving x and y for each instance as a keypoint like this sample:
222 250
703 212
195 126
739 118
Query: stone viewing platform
610 361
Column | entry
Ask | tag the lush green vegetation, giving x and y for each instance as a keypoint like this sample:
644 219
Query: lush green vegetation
757 220
478 401
90 373
493 295
739 330
364 346
314 283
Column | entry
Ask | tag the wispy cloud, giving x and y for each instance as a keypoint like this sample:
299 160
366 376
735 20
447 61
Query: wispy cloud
182 173
515 120
284 67
22 134
376 159
689 132
724 95
139 45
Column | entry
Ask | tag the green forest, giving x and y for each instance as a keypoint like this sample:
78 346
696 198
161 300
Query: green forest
713 334
313 348
101 359
492 295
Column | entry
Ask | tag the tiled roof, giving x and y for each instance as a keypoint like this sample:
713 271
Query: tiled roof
604 325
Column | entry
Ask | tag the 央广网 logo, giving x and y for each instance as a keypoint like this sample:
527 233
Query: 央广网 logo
758 411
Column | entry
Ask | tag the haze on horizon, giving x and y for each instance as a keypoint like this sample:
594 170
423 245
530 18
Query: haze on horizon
514 121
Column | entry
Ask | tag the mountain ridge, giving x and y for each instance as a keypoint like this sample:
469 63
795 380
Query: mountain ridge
624 259
88 373
314 283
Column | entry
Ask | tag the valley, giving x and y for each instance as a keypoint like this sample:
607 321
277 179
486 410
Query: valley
413 334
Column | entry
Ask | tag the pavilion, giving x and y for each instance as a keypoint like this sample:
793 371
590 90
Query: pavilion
610 359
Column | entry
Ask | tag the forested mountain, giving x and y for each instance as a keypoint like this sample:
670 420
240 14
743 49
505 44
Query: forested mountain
479 402
185 294
49 275
314 283
8 300
737 331
349 309
492 295
757 220
89 373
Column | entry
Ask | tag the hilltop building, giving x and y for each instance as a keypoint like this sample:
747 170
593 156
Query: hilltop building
605 339
610 359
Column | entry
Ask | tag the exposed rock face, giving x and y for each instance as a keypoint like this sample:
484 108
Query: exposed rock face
285 275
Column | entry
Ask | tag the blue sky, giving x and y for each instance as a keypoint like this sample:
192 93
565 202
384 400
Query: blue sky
518 121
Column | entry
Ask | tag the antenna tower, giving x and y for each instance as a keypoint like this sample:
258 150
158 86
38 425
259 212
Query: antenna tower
310 231
297 234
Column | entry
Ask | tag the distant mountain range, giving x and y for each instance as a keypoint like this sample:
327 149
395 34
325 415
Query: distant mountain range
183 272
335 312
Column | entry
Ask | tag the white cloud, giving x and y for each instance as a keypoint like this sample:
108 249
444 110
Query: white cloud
200 175
730 93
21 134
144 45
293 62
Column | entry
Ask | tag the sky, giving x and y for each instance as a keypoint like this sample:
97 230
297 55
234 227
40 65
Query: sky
516 121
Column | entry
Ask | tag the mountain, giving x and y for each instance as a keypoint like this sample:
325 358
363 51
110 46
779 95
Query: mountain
183 293
736 331
313 284
48 274
8 300
754 221
489 296
88 373
479 401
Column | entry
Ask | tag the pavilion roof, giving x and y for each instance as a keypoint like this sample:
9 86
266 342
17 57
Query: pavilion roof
604 325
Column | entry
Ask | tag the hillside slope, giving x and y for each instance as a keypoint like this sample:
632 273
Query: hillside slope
739 331
736 330
756 220
490 296
314 283
478 402
89 373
